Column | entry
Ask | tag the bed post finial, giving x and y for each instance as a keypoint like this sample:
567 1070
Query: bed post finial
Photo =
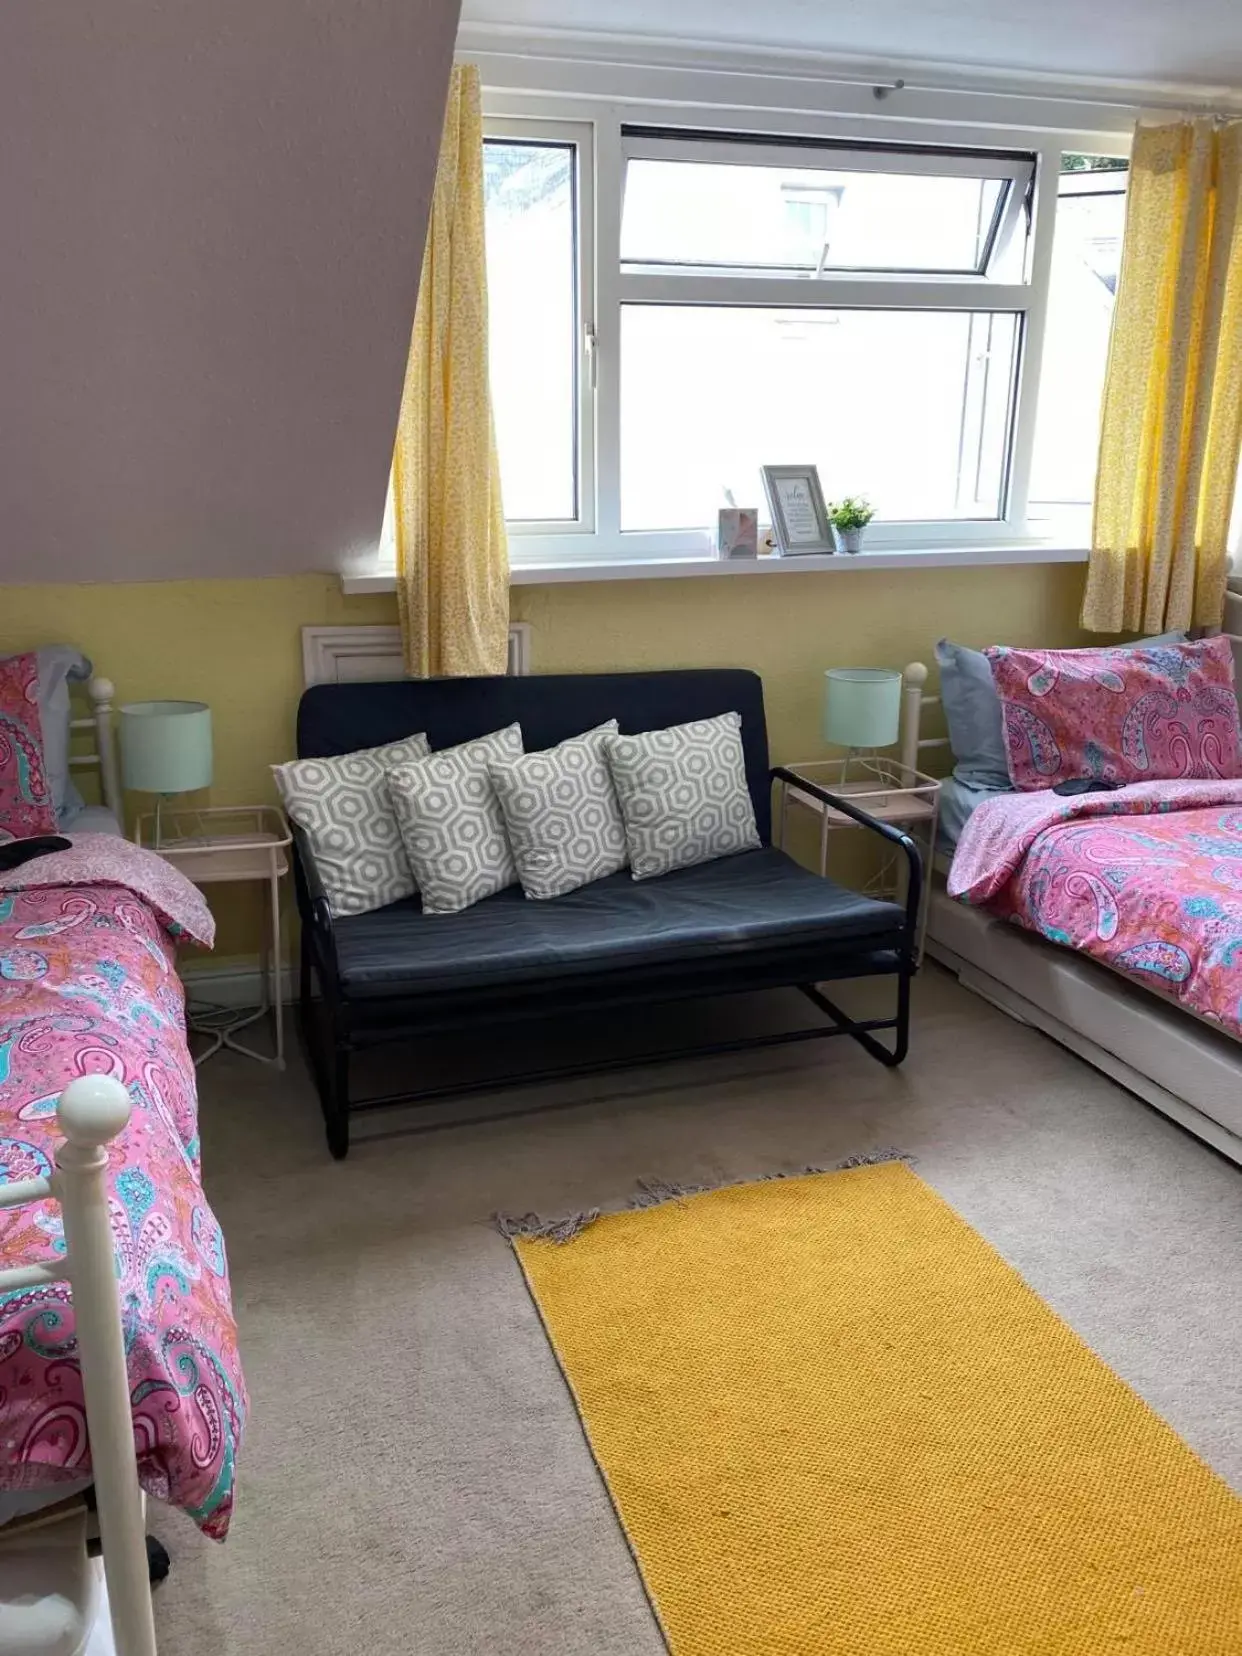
91 1111
102 691
913 679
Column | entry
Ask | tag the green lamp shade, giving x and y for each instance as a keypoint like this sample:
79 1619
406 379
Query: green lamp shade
862 706
166 746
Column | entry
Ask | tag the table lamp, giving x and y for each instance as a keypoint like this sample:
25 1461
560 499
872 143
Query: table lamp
862 709
165 749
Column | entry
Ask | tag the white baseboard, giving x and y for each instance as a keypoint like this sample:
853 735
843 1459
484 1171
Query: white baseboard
233 985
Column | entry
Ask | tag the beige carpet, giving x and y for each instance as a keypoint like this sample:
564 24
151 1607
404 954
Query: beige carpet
414 1482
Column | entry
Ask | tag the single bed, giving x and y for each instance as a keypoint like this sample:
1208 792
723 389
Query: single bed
109 1382
1151 1020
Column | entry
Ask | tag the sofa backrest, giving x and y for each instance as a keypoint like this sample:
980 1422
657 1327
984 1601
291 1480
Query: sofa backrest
341 718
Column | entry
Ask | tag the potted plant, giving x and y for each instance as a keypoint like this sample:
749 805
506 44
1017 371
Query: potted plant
849 517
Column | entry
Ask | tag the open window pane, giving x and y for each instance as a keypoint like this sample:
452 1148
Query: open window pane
533 325
801 221
910 408
1086 256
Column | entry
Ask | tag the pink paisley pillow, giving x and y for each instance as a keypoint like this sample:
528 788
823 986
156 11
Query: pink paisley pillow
25 792
1153 712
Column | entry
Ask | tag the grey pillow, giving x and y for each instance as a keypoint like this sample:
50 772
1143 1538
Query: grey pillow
561 814
683 794
451 823
972 711
342 804
57 664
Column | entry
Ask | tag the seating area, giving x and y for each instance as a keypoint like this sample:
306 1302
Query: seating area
753 920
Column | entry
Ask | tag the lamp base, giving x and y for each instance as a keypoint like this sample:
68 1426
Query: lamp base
872 773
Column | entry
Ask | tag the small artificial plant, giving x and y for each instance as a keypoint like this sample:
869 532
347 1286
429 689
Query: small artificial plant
850 513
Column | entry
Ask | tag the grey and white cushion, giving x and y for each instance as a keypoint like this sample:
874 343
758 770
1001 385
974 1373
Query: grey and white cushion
561 814
451 823
344 808
683 794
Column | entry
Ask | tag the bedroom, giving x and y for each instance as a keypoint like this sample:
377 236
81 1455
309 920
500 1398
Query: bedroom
216 236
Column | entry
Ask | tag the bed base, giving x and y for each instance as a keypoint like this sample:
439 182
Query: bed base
90 1113
1186 1068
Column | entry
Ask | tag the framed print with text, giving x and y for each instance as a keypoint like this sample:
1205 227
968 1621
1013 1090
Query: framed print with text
796 502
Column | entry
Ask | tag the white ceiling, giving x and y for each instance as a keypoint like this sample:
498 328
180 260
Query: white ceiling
1198 42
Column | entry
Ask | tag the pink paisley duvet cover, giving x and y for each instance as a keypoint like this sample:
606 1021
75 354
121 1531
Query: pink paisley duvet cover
88 986
1147 879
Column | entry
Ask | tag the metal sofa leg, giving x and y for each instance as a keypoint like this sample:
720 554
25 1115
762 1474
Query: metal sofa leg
336 1106
306 979
327 1055
860 1029
901 1038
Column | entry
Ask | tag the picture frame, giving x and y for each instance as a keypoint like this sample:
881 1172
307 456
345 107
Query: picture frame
799 516
737 532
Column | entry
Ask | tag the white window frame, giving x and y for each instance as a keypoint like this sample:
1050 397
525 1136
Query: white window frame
595 124
580 135
727 150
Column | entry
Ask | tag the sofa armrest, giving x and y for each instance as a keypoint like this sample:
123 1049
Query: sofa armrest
886 830
313 906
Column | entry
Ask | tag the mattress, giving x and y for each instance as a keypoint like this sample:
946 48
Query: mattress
958 800
92 819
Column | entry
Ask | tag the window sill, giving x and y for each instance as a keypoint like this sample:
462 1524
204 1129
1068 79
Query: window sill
652 569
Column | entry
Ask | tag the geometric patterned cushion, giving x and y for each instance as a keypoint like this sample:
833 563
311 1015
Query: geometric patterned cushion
561 813
451 822
683 794
342 804
25 792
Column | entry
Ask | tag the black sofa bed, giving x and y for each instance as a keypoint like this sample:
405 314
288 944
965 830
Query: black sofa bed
757 920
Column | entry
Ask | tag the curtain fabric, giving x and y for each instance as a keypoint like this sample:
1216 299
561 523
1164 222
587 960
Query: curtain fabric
448 520
1172 413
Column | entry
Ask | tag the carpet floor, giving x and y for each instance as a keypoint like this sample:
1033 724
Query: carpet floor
414 1481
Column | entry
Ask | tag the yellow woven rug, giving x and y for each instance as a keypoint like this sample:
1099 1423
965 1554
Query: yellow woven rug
833 1420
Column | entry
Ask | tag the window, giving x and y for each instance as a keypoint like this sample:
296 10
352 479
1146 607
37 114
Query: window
529 191
1086 254
670 310
534 187
749 204
909 407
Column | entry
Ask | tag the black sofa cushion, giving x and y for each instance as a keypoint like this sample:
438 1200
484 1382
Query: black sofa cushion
341 718
756 902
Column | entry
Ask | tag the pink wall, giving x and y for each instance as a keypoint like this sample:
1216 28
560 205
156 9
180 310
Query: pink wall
211 224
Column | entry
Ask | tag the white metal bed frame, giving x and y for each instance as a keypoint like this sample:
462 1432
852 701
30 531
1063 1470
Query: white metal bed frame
102 760
90 1113
1187 1068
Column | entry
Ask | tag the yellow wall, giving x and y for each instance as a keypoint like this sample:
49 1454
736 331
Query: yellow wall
236 644
790 627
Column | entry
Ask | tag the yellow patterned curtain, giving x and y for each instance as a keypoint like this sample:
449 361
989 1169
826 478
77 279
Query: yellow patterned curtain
1172 415
448 521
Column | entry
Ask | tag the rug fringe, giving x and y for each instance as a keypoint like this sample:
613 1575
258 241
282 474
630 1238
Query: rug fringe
530 1226
656 1192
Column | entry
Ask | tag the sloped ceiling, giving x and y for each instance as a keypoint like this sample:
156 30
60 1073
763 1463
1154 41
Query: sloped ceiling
212 216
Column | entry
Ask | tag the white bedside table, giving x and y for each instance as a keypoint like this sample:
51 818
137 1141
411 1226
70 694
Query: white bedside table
885 789
216 846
